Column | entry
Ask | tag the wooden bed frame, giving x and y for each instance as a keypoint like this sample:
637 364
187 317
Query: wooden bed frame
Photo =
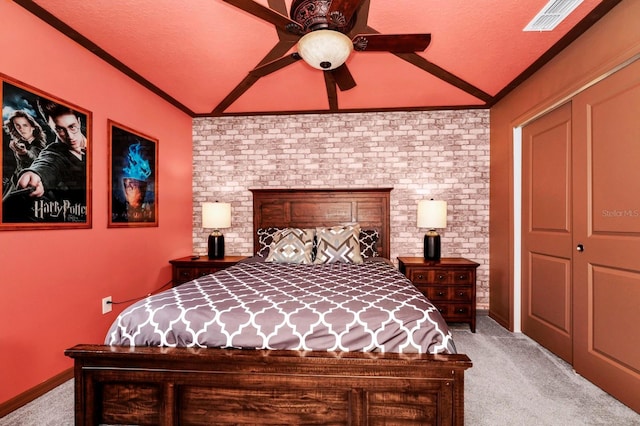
170 386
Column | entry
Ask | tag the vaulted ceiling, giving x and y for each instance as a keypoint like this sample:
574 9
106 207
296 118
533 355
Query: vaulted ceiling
200 54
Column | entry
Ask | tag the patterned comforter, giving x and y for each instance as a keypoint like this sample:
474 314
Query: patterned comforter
266 305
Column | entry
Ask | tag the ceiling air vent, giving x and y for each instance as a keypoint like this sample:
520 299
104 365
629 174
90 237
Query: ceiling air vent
552 14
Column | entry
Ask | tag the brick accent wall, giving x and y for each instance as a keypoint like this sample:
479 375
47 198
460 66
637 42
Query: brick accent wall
436 154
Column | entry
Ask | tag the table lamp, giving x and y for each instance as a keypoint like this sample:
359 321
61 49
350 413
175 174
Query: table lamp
216 216
432 214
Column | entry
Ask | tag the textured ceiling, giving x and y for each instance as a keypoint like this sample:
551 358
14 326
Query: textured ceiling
196 53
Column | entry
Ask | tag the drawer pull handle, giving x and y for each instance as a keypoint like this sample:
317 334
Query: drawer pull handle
441 293
184 274
462 277
460 310
460 294
203 273
441 277
421 277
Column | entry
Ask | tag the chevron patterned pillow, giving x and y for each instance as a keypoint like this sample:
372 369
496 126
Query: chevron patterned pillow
291 245
338 244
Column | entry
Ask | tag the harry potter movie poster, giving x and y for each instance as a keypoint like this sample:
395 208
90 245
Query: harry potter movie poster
45 161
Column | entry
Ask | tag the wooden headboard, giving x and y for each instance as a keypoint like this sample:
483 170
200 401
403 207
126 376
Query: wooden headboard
308 208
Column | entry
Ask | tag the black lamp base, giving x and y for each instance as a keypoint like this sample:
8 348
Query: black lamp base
216 246
432 246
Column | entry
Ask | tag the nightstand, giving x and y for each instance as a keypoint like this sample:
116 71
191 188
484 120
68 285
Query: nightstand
449 284
187 268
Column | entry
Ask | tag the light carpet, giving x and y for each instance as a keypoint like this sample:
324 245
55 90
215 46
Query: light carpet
516 382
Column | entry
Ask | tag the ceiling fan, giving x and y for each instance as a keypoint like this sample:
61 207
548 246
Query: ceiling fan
326 32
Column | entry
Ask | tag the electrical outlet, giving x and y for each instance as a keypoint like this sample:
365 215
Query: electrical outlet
106 304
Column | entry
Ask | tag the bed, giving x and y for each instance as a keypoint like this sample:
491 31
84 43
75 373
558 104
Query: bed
128 384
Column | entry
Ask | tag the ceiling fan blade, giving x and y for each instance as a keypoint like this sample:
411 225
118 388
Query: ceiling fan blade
252 77
267 14
332 93
274 66
280 49
394 43
284 35
360 24
279 6
341 11
343 77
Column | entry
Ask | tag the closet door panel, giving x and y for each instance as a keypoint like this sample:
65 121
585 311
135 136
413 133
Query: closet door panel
546 231
615 302
606 284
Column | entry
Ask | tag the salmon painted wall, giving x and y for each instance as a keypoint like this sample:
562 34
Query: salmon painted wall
611 42
52 281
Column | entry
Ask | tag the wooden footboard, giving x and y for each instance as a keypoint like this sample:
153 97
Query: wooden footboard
171 386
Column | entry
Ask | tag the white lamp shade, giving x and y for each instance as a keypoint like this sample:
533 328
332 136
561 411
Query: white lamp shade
325 49
216 215
432 214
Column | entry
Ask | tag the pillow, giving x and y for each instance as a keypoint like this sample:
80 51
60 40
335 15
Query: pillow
338 244
291 245
368 239
265 238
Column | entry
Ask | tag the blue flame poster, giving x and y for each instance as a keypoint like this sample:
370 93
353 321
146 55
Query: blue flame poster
133 194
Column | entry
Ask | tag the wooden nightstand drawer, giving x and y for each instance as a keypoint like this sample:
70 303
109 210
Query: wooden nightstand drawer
449 284
181 275
188 268
441 276
462 277
461 294
428 276
447 293
454 312
435 293
187 274
459 312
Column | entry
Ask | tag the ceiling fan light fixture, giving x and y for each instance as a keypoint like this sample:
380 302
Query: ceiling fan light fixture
325 49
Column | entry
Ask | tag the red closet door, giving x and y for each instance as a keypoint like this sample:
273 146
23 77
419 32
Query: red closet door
606 283
546 231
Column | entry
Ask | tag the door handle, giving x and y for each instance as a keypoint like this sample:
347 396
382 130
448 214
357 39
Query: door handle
580 247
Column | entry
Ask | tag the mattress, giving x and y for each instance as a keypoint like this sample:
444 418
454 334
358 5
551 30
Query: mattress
311 307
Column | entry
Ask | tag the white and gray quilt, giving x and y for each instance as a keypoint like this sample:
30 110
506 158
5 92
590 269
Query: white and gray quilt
265 305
